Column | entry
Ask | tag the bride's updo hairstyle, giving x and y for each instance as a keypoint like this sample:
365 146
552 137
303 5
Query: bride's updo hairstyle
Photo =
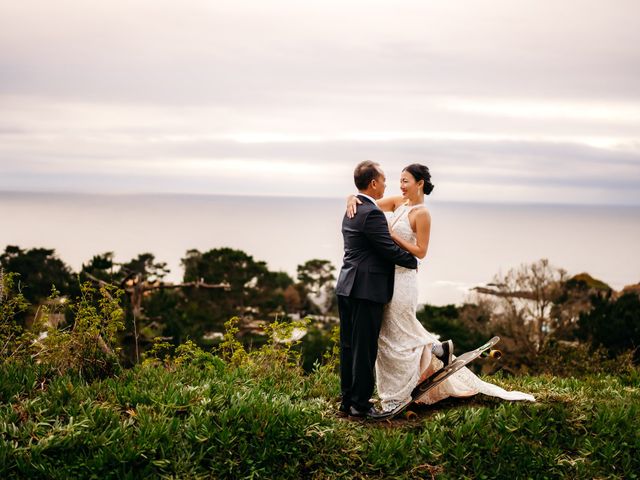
420 172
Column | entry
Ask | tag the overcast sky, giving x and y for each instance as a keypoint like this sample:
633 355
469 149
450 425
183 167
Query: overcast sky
507 101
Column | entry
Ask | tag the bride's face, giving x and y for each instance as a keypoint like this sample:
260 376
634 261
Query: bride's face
408 185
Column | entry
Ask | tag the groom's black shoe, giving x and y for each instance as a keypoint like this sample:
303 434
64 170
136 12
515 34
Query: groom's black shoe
343 410
447 355
372 413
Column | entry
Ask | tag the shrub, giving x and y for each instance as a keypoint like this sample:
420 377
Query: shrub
12 303
280 350
613 323
88 347
231 349
567 359
164 354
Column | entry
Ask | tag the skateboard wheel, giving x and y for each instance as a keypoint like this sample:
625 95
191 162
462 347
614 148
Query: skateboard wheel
410 415
494 354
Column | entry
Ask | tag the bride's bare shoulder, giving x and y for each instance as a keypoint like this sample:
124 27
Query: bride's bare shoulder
421 213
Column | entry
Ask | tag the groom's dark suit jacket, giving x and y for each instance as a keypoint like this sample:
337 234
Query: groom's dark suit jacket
370 256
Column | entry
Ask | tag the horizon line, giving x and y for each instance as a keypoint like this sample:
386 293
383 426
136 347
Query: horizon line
306 197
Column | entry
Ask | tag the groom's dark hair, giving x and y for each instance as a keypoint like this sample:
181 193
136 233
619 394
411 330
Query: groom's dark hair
364 173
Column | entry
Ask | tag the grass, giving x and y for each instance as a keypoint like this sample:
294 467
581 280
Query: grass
207 419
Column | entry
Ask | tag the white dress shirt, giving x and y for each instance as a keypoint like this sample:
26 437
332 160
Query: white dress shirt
370 198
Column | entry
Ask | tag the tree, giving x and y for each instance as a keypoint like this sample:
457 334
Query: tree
316 279
39 270
253 290
536 306
441 321
273 288
152 305
526 296
292 300
101 266
316 273
461 324
613 323
224 265
576 298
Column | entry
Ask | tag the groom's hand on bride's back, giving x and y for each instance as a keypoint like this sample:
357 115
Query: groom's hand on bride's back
352 205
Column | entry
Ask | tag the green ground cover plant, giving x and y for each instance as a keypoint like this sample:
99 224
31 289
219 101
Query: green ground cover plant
202 417
68 410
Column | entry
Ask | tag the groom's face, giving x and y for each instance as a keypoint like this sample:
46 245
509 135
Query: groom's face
378 185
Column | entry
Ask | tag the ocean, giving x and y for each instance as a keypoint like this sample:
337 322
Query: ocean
470 242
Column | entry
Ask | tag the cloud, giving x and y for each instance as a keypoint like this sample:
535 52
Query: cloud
507 101
244 53
465 171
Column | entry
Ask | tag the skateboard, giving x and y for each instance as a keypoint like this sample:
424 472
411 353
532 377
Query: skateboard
441 375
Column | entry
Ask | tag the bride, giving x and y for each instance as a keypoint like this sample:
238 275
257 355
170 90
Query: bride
407 352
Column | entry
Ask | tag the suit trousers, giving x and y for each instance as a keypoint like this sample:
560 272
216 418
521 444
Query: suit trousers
360 322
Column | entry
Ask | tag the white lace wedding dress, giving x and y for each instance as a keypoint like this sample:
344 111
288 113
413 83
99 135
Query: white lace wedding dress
404 346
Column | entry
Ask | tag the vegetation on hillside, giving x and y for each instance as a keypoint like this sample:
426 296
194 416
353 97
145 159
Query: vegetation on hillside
69 410
543 315
217 285
196 415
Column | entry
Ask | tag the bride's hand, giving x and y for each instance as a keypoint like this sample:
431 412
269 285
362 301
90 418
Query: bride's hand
352 205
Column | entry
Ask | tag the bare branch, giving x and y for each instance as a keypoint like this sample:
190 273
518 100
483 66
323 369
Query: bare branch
506 294
212 286
97 280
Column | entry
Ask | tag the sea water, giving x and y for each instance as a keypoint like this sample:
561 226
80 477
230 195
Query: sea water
470 242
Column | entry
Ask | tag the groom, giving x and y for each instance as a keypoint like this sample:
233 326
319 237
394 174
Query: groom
364 285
